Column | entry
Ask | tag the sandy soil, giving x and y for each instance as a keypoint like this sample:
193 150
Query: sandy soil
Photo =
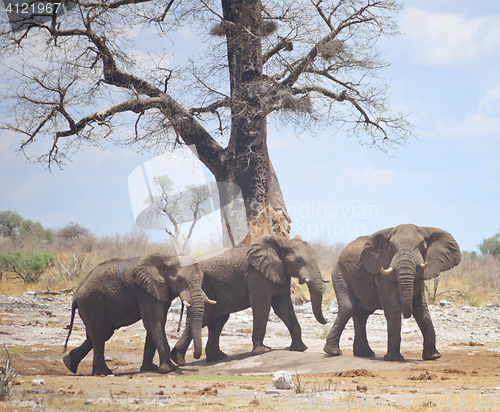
467 376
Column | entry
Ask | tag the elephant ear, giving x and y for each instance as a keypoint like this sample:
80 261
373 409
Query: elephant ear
266 256
443 252
148 275
377 254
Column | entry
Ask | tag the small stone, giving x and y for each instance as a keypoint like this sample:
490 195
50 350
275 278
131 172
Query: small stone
38 382
283 380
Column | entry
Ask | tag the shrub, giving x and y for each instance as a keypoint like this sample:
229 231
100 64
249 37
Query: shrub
29 267
491 246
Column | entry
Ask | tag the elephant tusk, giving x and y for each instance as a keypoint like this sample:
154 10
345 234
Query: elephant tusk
307 280
207 299
386 271
186 303
326 281
424 265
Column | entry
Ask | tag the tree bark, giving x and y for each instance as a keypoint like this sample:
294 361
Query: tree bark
246 161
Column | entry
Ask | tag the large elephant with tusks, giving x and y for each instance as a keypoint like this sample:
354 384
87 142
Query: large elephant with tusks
387 271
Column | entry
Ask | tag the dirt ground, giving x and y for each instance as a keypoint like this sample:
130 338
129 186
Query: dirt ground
466 377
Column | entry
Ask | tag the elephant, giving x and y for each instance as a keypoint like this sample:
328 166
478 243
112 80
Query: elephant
119 292
387 271
258 277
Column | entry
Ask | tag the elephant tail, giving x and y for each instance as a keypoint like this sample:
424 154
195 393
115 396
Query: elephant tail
73 311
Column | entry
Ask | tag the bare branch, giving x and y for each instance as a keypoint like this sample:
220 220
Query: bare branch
136 106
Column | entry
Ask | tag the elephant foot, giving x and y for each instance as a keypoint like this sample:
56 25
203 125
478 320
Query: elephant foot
167 367
299 347
70 363
332 350
149 367
215 355
430 354
101 371
364 352
178 357
259 350
394 357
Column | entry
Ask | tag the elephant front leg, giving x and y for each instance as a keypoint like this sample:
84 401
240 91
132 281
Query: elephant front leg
332 345
361 346
393 317
154 319
283 308
212 349
423 318
260 317
149 353
178 353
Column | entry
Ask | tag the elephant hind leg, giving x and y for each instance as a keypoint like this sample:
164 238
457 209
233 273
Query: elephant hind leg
99 366
212 349
361 347
73 359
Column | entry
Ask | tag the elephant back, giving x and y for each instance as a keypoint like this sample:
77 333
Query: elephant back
106 277
224 276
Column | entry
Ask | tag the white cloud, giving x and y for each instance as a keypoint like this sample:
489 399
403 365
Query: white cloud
491 98
449 39
31 188
368 178
474 125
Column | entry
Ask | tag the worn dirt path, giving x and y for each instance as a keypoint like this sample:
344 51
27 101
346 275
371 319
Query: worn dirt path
467 377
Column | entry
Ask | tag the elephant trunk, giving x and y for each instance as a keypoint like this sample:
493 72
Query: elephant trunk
316 291
195 314
406 275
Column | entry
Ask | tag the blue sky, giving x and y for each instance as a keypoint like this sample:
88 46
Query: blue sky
445 71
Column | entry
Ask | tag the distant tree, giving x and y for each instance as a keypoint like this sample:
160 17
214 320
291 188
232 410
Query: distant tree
21 231
470 255
179 207
74 233
29 267
490 246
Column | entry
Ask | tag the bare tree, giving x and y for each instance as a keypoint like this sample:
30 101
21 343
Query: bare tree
311 62
180 207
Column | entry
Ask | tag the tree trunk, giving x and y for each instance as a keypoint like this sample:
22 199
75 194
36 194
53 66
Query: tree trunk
246 159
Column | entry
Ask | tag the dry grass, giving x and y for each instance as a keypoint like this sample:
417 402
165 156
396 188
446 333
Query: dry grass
475 281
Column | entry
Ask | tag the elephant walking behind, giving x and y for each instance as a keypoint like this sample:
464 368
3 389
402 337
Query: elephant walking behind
387 271
258 277
119 292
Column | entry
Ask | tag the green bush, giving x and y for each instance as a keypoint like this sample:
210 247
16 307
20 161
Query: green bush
29 267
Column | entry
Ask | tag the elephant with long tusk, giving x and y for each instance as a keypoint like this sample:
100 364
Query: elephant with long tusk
387 271
258 277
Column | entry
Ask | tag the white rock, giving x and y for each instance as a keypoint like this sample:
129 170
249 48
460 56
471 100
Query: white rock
38 382
283 380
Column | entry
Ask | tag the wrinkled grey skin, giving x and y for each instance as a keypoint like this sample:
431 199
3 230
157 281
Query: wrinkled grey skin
119 292
258 277
415 254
